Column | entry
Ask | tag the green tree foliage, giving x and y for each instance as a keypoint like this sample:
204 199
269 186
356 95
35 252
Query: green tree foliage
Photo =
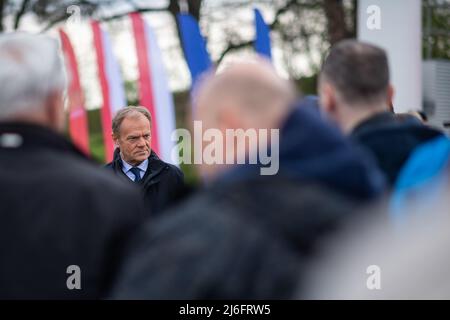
436 29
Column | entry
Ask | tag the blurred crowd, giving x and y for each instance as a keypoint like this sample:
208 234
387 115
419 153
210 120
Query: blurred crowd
357 188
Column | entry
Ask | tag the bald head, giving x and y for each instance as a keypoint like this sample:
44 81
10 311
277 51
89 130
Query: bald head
244 95
33 80
243 103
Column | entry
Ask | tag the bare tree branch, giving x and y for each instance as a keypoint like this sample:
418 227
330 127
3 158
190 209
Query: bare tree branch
232 47
280 12
194 7
337 27
20 13
53 23
138 10
60 14
2 7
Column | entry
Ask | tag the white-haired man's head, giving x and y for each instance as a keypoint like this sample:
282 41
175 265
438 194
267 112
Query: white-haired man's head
32 80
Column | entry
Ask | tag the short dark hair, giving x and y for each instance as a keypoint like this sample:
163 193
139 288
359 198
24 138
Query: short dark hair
126 112
358 70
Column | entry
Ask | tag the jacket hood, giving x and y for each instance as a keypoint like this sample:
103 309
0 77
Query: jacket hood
314 151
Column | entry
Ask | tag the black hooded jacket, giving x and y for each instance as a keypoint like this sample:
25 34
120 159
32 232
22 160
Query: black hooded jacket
162 183
391 139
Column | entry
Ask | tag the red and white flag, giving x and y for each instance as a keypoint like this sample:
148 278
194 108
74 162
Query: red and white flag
111 84
78 123
154 93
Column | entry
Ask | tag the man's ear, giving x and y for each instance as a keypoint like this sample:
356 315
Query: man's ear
328 98
390 97
55 111
115 139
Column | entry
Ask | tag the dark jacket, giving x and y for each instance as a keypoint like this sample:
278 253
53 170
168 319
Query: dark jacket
249 236
391 139
316 152
161 184
58 209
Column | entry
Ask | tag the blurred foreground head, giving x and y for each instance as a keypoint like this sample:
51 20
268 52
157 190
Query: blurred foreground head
354 83
245 95
32 80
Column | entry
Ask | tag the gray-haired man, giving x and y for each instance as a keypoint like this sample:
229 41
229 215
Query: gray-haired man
135 161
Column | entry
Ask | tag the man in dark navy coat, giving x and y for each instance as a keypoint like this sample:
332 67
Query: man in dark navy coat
134 160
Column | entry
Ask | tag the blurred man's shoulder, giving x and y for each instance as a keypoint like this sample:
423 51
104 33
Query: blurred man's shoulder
89 174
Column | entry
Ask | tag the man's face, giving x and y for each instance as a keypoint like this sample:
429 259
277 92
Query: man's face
134 139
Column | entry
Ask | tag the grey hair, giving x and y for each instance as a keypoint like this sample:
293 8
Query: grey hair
128 112
31 68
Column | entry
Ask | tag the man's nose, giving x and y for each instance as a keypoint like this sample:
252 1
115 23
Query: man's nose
141 142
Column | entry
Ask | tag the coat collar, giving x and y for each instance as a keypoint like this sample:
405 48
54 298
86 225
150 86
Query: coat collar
155 166
381 118
25 135
143 166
